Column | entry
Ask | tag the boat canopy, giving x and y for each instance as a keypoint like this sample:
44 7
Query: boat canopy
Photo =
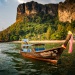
38 44
27 44
25 40
39 47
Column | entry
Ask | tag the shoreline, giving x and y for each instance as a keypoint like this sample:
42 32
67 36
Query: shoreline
44 41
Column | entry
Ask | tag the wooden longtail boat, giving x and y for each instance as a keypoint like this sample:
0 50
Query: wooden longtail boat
39 53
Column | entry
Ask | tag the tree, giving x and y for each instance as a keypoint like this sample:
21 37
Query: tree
38 19
16 37
1 37
11 38
69 28
73 25
48 34
60 27
21 32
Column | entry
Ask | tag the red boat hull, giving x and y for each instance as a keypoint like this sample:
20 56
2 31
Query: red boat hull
28 55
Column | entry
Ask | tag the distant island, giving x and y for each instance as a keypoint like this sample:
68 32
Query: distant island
41 22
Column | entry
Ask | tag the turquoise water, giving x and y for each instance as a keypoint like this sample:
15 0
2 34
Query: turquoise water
12 63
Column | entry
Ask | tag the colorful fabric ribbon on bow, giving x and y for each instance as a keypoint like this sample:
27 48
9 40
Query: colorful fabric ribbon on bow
70 44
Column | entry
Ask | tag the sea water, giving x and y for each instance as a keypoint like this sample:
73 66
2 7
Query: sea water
12 63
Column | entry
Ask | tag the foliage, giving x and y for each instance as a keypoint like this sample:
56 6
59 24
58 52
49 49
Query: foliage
38 27
48 34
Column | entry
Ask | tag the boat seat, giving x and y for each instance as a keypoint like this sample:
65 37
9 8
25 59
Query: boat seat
39 49
26 50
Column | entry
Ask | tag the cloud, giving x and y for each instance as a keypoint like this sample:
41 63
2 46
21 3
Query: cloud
41 1
21 1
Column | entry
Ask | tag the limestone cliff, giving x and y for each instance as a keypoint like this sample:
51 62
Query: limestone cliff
66 11
33 8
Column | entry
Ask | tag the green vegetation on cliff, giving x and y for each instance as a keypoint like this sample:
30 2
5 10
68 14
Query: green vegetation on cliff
37 29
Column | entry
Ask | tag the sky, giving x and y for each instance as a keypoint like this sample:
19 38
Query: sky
8 10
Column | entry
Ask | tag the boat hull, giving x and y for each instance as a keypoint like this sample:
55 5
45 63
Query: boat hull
27 55
51 56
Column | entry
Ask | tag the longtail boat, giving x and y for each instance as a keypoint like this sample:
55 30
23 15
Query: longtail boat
40 53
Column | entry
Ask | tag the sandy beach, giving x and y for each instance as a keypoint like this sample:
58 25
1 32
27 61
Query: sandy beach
44 41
